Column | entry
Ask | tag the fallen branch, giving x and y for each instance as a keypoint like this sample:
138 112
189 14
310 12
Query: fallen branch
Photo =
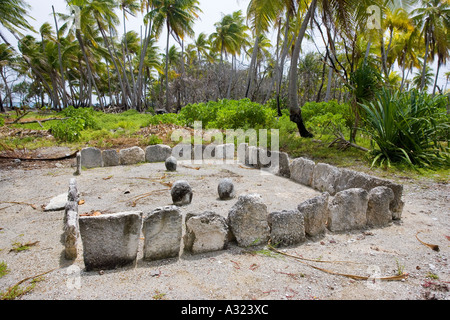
17 202
352 276
145 195
20 117
36 121
342 141
73 155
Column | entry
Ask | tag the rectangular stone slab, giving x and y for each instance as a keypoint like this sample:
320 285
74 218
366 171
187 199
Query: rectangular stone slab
111 240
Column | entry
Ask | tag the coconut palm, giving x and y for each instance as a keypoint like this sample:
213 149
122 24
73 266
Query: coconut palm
14 17
7 57
261 14
433 20
229 38
178 16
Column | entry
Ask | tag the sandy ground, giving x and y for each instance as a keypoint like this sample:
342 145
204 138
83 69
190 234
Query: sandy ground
236 273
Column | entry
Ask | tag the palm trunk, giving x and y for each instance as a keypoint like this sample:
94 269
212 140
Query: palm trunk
252 65
424 69
231 77
91 77
61 67
437 75
167 67
141 66
294 108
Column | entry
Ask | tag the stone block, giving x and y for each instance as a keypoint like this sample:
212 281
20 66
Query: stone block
253 157
325 178
354 179
287 227
162 230
130 156
301 171
225 152
111 240
205 232
182 152
110 158
277 162
378 211
71 235
157 153
347 210
91 158
242 153
315 212
247 220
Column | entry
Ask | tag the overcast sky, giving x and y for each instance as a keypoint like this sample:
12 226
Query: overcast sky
41 11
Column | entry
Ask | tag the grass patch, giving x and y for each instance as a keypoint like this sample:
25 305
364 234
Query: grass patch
3 269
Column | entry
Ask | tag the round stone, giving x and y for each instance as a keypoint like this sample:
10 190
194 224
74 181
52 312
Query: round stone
226 189
171 163
181 193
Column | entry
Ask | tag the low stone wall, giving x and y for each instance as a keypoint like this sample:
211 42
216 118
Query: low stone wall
349 201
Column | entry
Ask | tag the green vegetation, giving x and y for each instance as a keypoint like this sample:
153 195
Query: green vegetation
3 269
409 127
402 131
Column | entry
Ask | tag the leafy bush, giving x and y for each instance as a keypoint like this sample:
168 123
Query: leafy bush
85 114
229 114
318 114
408 127
68 130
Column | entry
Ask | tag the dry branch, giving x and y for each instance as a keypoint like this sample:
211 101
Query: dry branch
352 276
73 155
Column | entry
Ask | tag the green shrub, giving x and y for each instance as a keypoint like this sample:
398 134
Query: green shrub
229 114
408 127
86 114
317 115
68 130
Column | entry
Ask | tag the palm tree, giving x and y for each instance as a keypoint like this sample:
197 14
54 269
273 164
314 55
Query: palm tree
201 45
129 7
14 17
262 14
433 19
229 38
6 59
419 82
178 16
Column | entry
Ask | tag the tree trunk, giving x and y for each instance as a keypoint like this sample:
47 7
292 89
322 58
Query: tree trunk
252 65
424 69
437 75
167 67
61 67
83 50
294 108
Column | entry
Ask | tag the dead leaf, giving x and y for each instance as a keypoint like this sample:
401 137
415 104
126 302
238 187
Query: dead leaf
107 178
91 214
81 202
434 247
